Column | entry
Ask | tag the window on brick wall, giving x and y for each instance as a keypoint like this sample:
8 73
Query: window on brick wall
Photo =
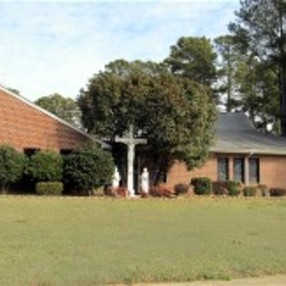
65 151
222 169
254 176
238 169
29 152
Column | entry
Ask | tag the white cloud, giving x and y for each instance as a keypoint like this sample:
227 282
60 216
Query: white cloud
55 47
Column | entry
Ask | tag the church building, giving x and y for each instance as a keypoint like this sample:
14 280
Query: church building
239 153
29 128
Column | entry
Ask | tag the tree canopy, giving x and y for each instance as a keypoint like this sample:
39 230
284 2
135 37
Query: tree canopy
194 58
63 107
174 113
260 34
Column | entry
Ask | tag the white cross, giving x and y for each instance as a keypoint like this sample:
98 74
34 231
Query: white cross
131 142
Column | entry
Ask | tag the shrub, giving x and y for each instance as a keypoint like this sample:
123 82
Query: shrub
46 166
233 188
49 188
12 164
121 192
181 189
202 185
161 191
277 192
220 188
87 168
250 191
263 190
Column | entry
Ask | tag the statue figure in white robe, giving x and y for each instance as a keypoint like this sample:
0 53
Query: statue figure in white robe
145 181
115 179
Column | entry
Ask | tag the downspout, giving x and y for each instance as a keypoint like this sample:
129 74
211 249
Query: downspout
246 167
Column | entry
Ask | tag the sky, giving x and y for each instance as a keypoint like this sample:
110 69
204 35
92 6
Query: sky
51 47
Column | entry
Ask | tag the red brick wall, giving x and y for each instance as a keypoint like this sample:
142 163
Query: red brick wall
23 126
272 171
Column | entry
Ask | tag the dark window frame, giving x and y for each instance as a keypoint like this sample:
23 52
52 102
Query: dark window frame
223 162
256 178
239 162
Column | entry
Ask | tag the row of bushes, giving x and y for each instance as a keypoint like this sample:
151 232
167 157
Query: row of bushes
204 186
49 172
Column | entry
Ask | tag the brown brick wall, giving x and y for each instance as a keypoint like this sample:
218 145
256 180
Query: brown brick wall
272 171
23 126
178 173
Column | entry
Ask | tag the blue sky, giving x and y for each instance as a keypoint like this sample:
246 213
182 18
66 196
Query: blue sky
56 46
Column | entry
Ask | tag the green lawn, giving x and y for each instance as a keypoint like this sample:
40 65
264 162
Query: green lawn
91 241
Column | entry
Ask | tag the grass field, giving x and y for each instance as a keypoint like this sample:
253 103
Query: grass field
91 241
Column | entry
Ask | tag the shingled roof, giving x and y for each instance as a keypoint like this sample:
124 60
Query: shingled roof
234 133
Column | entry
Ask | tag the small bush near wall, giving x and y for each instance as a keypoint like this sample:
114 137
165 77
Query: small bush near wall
181 189
250 191
45 166
277 192
49 188
12 164
220 188
161 191
202 185
87 168
264 191
233 188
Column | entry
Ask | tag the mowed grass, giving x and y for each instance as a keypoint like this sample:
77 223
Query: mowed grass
93 241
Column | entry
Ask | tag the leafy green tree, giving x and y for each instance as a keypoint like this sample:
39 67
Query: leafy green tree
86 168
258 92
260 29
65 108
194 58
12 164
175 114
45 166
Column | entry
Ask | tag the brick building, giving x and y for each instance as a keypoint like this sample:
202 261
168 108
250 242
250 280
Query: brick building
29 128
239 153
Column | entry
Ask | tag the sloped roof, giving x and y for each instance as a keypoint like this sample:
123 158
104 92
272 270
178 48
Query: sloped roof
33 105
234 133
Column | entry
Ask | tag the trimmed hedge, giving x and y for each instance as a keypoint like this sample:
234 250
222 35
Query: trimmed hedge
12 164
277 192
49 188
233 188
46 166
202 185
180 189
250 191
220 188
264 191
87 168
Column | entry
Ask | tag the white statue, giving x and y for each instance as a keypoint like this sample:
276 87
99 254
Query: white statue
145 181
115 179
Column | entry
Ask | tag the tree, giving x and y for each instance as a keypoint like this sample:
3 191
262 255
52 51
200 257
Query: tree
258 92
65 108
174 113
12 164
260 29
227 65
194 58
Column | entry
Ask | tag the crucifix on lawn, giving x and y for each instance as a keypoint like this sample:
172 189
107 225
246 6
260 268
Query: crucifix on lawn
131 142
